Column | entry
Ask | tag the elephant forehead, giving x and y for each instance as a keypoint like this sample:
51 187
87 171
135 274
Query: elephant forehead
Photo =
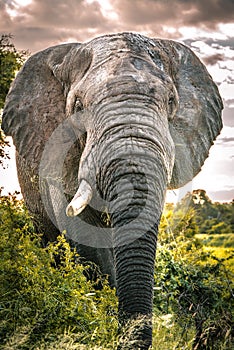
114 48
118 45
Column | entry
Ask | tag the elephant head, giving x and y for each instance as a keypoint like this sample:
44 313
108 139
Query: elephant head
113 122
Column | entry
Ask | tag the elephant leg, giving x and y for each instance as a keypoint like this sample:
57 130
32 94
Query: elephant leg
101 259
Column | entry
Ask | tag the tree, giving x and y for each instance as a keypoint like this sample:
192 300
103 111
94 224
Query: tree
210 217
10 62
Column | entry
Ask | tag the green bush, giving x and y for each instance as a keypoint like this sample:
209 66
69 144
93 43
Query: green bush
42 299
217 240
196 287
47 303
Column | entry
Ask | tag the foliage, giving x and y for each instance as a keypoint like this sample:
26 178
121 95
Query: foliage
47 303
200 296
10 62
42 298
211 218
177 223
217 240
194 284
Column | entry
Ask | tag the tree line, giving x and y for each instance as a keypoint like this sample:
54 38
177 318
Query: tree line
207 217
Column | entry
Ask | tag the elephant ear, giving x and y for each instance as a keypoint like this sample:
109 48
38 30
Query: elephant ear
198 121
36 102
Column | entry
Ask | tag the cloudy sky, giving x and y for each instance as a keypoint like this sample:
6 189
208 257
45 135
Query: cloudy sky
206 26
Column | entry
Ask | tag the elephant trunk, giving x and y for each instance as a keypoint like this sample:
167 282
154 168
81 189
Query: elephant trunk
135 221
133 180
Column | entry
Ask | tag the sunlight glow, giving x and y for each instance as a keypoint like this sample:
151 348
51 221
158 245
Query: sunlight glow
23 2
193 32
15 6
106 8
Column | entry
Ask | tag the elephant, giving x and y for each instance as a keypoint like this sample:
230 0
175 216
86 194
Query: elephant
102 129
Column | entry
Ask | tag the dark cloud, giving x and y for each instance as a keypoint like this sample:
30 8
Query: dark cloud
149 12
209 13
213 59
65 14
197 13
219 44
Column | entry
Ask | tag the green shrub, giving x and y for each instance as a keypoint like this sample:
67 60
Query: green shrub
217 240
47 303
44 300
196 287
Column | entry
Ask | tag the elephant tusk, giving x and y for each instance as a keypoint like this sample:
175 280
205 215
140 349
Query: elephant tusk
81 199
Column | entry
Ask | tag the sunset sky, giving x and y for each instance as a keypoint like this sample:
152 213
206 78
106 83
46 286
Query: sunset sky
206 26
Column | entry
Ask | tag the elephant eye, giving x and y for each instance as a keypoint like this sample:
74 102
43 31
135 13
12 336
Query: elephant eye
78 106
171 106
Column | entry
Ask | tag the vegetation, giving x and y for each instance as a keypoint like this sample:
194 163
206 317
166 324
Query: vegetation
218 240
211 218
46 302
194 282
10 62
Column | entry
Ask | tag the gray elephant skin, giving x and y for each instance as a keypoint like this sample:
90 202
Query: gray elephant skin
101 130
